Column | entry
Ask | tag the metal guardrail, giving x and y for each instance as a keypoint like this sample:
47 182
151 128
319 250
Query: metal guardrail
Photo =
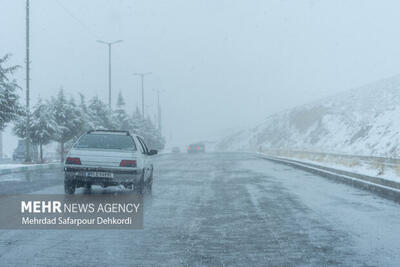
388 159
389 162
385 188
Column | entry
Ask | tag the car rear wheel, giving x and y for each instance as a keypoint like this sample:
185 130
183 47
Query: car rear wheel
69 186
140 185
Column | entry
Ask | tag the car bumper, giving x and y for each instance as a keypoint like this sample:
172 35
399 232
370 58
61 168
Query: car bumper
119 176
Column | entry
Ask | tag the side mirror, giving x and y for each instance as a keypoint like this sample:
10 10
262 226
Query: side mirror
152 152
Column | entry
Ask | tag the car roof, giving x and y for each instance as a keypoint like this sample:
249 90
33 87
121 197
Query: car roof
108 132
138 136
118 132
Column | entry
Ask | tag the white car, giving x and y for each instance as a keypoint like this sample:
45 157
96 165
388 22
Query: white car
109 158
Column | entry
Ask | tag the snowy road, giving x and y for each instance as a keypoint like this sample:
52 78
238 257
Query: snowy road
222 209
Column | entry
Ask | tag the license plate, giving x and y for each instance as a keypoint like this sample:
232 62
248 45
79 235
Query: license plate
100 174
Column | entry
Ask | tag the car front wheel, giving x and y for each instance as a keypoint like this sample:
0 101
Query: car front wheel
150 181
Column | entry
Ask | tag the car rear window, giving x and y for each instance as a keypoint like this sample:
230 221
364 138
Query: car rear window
106 141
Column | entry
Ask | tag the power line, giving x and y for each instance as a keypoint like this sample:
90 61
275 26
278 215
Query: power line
88 29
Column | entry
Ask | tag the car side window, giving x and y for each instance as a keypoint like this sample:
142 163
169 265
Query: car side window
142 149
144 145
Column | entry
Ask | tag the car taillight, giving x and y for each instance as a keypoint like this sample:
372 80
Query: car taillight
127 163
76 161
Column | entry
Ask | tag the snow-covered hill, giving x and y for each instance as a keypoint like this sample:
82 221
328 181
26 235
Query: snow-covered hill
364 121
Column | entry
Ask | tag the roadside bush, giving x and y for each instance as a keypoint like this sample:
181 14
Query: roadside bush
379 165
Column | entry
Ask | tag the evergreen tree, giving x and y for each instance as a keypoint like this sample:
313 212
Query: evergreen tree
85 121
9 105
99 114
120 117
67 118
136 121
151 135
20 124
43 126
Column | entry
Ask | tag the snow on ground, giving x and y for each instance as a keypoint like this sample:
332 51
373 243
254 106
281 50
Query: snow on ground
14 165
20 165
359 121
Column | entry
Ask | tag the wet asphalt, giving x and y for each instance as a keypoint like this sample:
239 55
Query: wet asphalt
219 209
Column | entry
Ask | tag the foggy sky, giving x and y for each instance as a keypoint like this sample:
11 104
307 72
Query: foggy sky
222 64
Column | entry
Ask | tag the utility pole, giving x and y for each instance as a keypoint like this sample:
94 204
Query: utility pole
109 44
1 145
142 74
27 141
158 109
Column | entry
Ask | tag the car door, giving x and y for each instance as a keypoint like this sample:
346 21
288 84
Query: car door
142 154
147 163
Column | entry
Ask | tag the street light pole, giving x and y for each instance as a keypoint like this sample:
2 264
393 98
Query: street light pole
109 44
27 141
109 76
158 108
142 74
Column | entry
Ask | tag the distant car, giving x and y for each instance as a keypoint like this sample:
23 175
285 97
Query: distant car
196 148
176 150
20 151
108 158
